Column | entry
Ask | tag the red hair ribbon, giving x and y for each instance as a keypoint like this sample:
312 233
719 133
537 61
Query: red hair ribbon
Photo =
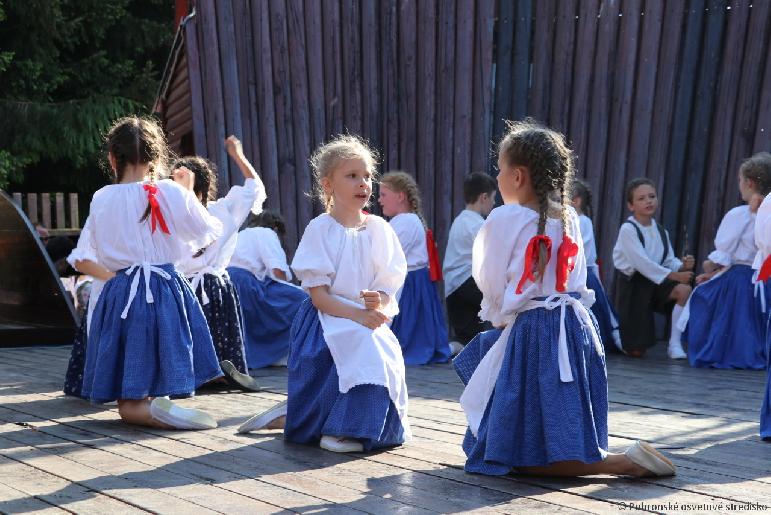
566 261
765 270
531 259
156 216
434 268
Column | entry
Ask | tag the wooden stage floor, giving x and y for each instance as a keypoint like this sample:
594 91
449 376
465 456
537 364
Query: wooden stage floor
59 454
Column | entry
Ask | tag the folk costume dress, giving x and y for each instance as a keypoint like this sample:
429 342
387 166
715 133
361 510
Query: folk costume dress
206 271
420 326
269 304
763 264
536 387
347 380
148 336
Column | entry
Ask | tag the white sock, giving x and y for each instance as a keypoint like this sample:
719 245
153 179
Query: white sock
675 334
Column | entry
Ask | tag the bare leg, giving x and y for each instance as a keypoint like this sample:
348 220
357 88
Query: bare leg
138 412
614 464
680 294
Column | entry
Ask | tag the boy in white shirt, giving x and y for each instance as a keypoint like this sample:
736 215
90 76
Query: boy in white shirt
652 277
463 296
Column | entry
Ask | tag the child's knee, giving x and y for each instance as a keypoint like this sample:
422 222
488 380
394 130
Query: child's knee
682 292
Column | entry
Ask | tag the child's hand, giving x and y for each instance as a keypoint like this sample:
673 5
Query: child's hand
371 318
755 202
371 299
688 262
233 146
681 277
703 278
184 178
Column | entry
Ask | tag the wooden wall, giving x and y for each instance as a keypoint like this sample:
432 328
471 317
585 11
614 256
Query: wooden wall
679 91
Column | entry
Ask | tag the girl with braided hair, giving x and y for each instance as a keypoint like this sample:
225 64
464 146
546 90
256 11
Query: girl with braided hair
607 320
724 322
148 338
420 325
536 396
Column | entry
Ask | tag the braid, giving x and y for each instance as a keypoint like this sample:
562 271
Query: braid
402 182
542 186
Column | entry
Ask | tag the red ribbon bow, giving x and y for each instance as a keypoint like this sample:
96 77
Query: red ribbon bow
765 270
531 259
156 216
566 261
434 268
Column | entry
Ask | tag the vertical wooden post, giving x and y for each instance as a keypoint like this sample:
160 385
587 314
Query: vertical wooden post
74 216
32 207
45 201
61 223
17 199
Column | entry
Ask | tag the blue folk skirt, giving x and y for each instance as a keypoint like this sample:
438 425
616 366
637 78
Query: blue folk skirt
532 418
223 314
161 349
420 326
268 309
602 309
315 405
726 327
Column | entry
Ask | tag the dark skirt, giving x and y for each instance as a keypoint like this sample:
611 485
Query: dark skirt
315 405
73 380
607 319
636 301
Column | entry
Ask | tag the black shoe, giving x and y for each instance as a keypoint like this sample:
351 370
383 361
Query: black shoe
238 379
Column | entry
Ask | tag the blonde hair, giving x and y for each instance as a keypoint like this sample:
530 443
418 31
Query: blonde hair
328 156
402 182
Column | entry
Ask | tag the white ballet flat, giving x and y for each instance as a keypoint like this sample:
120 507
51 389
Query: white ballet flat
164 410
645 455
264 419
336 444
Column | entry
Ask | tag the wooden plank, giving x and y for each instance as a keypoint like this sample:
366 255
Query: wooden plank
407 86
482 101
196 86
426 113
445 128
763 128
333 67
315 61
300 110
371 126
265 106
45 201
504 53
350 22
664 98
561 75
462 109
523 29
647 76
61 223
543 44
586 38
231 94
74 217
389 45
17 501
282 98
717 171
32 207
247 80
17 199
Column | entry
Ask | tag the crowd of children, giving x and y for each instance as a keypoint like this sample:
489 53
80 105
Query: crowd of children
183 299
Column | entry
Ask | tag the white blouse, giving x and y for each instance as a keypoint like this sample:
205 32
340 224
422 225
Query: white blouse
587 235
499 261
231 210
763 232
114 237
735 239
259 250
412 235
456 267
629 256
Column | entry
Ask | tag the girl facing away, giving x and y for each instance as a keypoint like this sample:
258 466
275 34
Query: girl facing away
148 337
347 390
607 320
763 265
268 300
724 322
420 326
536 396
206 268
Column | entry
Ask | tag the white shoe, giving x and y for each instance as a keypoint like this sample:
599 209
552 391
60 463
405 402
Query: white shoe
455 348
263 420
340 444
164 410
644 455
675 351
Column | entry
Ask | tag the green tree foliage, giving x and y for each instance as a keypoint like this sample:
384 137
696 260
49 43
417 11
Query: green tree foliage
68 68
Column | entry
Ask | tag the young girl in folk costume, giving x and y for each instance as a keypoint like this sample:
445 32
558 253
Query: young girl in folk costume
724 322
346 371
206 268
420 325
536 387
763 264
148 336
607 320
269 302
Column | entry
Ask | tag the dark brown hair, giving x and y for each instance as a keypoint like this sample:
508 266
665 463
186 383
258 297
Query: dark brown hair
581 188
268 218
476 183
636 183
549 162
758 169
205 186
